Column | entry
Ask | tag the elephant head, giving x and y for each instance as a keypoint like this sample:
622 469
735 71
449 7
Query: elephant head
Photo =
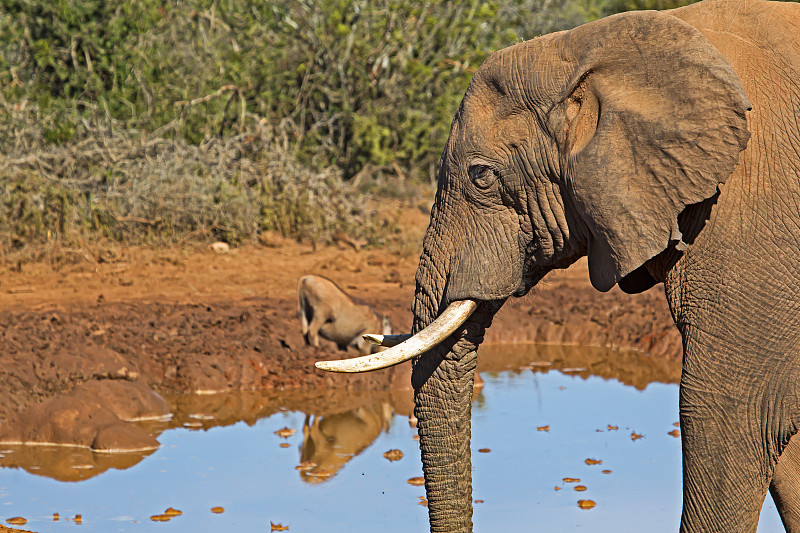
585 142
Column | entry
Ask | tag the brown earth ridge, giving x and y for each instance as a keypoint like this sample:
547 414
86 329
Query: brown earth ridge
194 320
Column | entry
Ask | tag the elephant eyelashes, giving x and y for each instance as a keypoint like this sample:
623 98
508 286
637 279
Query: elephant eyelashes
482 176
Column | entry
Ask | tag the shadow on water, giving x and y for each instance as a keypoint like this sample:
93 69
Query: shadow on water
338 425
628 367
66 463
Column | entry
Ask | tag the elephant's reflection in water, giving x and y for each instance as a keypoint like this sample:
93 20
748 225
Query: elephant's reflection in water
330 441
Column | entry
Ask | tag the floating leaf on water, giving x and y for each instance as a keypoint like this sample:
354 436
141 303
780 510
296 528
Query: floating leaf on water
676 424
586 504
305 465
543 428
478 501
606 471
56 517
172 512
675 433
485 450
277 527
393 455
570 480
217 510
285 432
562 387
416 481
284 444
423 502
17 521
612 428
593 462
635 436
78 519
415 437
556 488
579 488
160 518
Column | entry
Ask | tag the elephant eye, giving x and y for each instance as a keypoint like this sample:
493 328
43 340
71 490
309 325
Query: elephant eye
482 176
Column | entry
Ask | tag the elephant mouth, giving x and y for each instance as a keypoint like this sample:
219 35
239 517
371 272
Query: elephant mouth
401 348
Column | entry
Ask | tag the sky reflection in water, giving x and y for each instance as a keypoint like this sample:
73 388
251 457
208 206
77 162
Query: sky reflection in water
234 460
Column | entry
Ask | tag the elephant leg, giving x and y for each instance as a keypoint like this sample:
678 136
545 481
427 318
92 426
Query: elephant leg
785 486
725 475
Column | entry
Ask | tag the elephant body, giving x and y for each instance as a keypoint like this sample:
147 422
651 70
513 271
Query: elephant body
666 147
327 311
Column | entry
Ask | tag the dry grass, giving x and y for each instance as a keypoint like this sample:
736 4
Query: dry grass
120 185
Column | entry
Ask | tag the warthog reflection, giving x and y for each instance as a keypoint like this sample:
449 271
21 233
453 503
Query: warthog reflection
330 441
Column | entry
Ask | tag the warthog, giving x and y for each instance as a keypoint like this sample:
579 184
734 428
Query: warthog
327 311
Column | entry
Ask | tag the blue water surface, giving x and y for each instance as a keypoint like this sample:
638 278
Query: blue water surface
242 468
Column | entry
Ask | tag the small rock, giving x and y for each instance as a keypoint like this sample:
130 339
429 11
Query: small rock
220 247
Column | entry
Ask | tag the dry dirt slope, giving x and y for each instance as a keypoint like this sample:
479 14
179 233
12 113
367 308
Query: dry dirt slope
190 319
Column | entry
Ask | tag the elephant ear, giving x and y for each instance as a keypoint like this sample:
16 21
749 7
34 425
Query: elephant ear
652 120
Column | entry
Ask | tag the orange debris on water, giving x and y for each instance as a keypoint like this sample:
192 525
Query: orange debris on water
590 461
393 455
586 504
285 432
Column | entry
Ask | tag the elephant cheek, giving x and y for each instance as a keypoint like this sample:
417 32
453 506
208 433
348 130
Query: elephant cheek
485 274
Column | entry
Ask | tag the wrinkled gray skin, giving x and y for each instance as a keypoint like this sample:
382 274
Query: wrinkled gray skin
612 140
327 311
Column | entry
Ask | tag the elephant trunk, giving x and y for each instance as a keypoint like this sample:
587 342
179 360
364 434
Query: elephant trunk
443 383
443 386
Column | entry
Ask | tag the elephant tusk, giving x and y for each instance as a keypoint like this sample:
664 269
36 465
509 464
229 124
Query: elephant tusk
386 341
450 320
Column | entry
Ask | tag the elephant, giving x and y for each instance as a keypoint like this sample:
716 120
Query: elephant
326 311
665 147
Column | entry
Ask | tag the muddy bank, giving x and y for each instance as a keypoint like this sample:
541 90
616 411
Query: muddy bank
192 320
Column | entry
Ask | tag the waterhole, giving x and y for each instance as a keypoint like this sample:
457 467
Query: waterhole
564 438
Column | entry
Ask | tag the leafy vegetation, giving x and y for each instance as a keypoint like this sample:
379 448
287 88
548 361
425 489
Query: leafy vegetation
151 120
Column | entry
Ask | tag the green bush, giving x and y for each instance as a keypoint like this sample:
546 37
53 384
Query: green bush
112 112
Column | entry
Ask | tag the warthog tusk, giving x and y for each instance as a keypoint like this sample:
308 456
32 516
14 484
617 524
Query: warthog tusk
441 328
386 341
